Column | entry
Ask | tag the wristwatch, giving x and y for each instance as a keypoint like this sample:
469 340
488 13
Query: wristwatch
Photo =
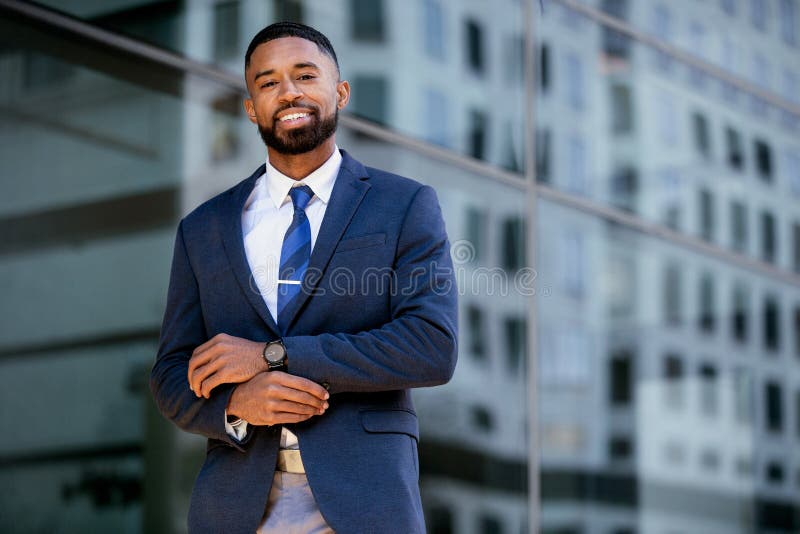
275 355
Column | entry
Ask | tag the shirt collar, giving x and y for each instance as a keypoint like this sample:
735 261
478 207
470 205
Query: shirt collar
320 181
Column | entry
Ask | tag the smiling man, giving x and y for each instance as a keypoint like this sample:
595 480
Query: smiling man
301 383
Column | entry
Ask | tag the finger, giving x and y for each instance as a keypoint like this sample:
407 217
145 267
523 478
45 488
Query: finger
210 383
295 395
292 407
199 358
200 374
301 384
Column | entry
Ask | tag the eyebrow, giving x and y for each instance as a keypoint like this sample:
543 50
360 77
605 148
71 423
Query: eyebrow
302 65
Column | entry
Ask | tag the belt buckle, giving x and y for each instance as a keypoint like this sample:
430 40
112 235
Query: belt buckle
289 461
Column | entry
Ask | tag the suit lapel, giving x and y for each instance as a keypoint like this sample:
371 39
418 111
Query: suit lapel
233 241
348 191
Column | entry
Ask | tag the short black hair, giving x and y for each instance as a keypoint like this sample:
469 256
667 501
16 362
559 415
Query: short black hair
291 29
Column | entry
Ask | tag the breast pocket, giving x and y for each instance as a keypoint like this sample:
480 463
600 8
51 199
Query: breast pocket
362 241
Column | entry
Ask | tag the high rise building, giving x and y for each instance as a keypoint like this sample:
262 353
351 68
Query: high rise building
621 185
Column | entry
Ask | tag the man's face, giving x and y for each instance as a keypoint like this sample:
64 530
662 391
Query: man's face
295 94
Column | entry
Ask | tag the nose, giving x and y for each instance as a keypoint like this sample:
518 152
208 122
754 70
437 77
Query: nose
289 92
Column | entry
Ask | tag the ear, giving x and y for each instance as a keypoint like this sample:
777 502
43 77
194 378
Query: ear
250 110
342 94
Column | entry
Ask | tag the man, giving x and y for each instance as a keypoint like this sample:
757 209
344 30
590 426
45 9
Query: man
303 305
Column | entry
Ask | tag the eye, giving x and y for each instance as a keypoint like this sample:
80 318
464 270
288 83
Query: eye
306 77
268 84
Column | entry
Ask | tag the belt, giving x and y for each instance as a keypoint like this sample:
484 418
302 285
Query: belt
289 461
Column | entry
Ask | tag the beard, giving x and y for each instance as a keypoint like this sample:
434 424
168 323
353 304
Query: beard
300 140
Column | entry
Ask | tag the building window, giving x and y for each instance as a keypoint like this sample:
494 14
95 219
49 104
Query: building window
662 29
707 218
738 226
439 520
740 318
371 98
621 109
773 406
625 188
476 224
367 20
697 44
708 389
758 14
289 10
796 320
515 335
475 44
621 378
775 473
514 57
481 418
476 135
573 261
543 152
760 76
436 116
788 20
226 30
576 165
791 86
743 394
797 415
433 22
544 68
477 332
620 448
621 291
672 296
673 381
772 332
707 304
573 69
796 247
701 134
792 169
763 160
735 152
512 242
489 524
728 6
615 43
709 460
666 111
768 238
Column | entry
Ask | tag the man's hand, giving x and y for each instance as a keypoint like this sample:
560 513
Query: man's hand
224 359
276 397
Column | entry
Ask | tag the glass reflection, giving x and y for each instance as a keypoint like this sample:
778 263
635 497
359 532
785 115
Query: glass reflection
403 59
102 156
664 385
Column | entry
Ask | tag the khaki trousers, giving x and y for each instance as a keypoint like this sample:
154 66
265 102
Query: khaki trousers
291 508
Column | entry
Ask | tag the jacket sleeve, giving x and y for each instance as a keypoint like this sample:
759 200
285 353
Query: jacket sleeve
418 346
182 330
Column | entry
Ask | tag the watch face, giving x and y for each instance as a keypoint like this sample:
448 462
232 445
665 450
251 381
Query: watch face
274 353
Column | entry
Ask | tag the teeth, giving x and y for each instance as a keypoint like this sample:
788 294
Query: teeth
293 116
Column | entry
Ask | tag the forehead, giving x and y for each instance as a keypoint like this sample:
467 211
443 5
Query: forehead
286 52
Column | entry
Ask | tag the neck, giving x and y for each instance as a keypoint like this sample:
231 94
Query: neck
298 166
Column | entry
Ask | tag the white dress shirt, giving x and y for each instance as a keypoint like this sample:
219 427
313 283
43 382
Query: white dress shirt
266 216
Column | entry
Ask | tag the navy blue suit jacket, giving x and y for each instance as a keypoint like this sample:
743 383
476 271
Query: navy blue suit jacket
377 317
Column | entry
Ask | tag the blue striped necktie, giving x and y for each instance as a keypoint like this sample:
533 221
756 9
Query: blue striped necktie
295 253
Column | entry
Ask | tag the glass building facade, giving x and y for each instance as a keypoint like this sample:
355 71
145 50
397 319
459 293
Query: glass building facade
621 185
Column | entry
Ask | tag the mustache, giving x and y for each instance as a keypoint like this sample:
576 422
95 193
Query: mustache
311 107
